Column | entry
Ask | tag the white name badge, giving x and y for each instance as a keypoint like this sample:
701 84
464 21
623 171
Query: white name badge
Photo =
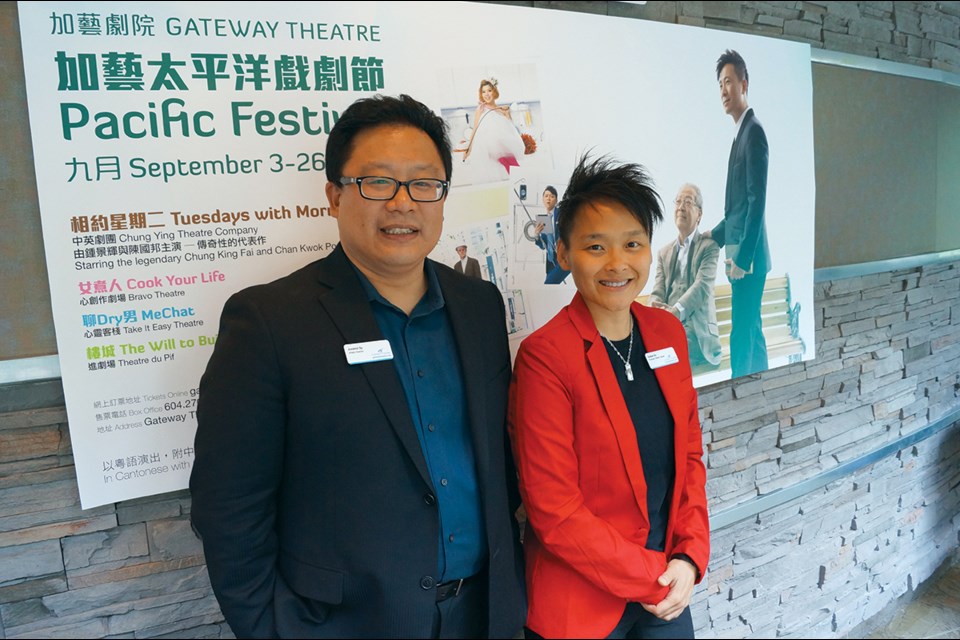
362 352
662 358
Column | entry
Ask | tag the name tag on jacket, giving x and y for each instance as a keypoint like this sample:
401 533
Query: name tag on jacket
363 352
662 357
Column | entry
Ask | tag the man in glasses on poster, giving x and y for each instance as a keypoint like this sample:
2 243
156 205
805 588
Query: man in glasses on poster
352 474
684 284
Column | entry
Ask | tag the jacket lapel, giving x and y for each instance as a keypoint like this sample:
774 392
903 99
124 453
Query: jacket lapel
691 252
467 324
348 307
733 152
612 398
672 261
738 140
669 378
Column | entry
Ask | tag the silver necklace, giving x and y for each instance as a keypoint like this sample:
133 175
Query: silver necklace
625 361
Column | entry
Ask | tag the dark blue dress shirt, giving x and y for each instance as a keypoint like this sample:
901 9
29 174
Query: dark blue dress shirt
428 363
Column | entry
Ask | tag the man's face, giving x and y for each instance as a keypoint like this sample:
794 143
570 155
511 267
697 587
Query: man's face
462 252
549 200
392 237
686 213
733 92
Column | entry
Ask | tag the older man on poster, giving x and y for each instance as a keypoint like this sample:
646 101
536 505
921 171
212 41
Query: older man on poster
352 474
743 230
466 265
686 272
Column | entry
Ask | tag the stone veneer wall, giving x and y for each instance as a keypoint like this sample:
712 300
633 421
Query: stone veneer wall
888 349
888 365
131 569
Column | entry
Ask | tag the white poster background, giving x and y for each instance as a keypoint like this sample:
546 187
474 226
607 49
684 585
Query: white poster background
642 92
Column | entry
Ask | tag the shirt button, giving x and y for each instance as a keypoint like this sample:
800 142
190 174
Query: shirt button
420 373
431 427
450 538
443 481
426 583
429 499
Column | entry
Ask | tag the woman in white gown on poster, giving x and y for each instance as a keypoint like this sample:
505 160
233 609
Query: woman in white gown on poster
495 144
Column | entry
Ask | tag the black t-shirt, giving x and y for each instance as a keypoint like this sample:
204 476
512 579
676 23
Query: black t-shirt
654 426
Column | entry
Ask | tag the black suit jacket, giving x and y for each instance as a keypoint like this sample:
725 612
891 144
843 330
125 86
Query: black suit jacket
746 197
310 489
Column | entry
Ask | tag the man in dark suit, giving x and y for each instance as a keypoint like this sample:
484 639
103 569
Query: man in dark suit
743 230
686 272
352 474
465 265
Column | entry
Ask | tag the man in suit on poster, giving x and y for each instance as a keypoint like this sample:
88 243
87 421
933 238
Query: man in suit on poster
352 474
686 272
465 265
546 237
743 230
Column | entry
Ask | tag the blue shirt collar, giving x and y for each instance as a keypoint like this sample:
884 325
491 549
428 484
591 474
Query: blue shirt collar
430 302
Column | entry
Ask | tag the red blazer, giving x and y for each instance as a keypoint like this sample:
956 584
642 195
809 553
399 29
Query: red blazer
581 475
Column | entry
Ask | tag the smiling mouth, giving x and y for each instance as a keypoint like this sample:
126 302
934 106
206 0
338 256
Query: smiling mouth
616 284
398 231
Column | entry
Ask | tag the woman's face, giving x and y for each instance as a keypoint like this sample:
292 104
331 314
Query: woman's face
486 93
549 200
609 257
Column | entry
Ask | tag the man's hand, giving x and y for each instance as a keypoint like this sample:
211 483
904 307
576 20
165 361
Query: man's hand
656 304
680 576
539 228
733 271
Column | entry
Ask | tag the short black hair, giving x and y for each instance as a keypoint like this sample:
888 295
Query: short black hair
552 190
378 110
739 66
605 179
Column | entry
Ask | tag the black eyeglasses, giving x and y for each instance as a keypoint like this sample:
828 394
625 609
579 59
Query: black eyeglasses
383 188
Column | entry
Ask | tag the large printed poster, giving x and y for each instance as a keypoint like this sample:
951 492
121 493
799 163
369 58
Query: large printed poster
179 150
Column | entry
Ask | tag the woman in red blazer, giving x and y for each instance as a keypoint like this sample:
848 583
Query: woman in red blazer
604 425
